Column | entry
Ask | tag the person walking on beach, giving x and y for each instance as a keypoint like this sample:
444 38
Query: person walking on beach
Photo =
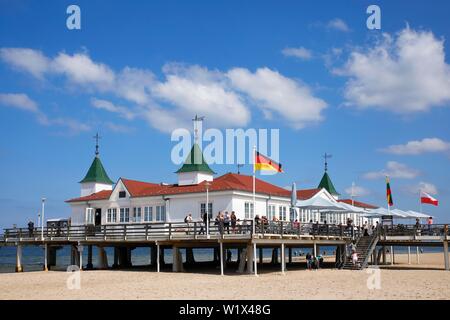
233 221
308 261
355 259
226 222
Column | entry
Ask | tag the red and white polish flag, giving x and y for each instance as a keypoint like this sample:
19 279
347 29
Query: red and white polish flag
426 198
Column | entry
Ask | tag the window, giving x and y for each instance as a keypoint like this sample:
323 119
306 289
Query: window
148 214
124 214
122 194
203 207
249 210
137 214
160 213
270 212
112 215
89 216
282 213
323 217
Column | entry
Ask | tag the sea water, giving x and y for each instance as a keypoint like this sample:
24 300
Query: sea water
33 256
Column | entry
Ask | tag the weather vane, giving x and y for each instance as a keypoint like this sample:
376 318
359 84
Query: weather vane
196 120
326 157
96 137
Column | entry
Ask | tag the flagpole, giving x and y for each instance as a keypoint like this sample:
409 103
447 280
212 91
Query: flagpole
254 188
389 203
420 200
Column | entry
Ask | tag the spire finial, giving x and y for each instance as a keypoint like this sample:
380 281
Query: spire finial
96 137
326 157
196 120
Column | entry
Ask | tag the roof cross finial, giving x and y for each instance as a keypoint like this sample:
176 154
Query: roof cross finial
196 120
96 137
326 157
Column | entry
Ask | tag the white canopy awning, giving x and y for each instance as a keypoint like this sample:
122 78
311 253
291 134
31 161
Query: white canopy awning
319 203
415 214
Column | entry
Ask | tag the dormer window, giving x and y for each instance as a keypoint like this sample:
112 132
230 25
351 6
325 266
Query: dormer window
122 194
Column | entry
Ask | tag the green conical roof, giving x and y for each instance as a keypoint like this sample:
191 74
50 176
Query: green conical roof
327 184
195 162
97 173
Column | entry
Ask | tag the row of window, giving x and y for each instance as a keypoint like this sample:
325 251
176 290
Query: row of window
271 212
150 215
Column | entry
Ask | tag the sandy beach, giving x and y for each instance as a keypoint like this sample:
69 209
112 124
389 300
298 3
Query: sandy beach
399 282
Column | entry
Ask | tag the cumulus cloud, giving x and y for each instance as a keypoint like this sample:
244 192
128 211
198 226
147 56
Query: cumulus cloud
27 60
394 170
273 92
416 147
197 90
109 106
424 187
357 191
80 69
405 73
19 101
301 53
23 102
226 98
338 24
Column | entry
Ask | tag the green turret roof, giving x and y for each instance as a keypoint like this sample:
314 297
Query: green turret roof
97 173
327 184
195 162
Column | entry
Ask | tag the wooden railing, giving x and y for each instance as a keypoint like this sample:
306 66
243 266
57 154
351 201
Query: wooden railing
170 230
440 230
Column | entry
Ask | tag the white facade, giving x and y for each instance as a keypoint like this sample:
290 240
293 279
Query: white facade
190 178
88 188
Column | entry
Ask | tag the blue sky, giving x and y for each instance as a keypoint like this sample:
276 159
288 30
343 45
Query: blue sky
377 100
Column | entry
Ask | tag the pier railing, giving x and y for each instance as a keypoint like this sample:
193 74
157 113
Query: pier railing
437 230
174 230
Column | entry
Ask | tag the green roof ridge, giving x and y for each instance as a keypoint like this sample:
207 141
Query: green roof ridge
326 184
97 173
195 162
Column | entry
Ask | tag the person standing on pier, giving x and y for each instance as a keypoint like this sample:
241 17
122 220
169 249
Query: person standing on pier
30 228
233 219
226 222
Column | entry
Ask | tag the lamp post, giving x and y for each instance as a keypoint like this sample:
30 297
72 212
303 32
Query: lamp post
43 218
207 185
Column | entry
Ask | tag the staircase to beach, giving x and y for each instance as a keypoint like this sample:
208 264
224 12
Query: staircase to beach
364 248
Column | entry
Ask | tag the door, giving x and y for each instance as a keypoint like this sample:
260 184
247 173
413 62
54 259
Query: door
98 217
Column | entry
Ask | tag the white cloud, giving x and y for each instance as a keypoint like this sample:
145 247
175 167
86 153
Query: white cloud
402 74
424 187
135 85
338 24
274 92
394 170
118 128
28 60
301 53
196 90
80 69
18 100
416 147
109 106
357 191
186 90
23 102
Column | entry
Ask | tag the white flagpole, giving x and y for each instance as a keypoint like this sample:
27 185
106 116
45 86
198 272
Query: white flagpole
420 200
254 188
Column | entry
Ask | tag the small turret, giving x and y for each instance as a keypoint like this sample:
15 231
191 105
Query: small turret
96 178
